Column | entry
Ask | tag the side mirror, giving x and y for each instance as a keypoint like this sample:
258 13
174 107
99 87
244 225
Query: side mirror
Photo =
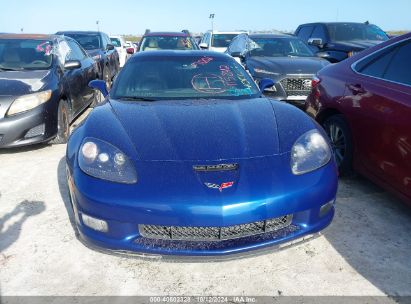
265 83
110 47
99 85
203 46
318 42
130 50
72 65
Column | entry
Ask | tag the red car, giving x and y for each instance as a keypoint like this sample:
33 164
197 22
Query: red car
364 105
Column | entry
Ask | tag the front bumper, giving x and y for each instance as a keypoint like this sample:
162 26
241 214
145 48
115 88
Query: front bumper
32 127
123 235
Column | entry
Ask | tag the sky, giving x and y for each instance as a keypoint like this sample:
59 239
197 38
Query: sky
134 17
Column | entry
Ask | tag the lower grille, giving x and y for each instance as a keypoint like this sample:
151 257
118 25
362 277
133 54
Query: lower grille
297 86
214 233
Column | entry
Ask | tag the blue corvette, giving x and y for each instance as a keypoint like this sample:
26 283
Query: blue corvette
187 157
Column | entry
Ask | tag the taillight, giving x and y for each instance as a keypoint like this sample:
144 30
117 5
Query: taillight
315 82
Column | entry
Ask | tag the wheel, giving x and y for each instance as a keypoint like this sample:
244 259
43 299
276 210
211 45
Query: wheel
63 123
339 133
107 77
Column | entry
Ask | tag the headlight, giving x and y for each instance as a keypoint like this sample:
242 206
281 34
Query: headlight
28 102
102 160
257 70
310 152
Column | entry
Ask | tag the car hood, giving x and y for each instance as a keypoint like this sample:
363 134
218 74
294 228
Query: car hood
354 45
288 65
199 130
16 83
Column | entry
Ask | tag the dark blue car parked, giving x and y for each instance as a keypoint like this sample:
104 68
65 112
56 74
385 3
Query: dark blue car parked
98 45
195 161
43 87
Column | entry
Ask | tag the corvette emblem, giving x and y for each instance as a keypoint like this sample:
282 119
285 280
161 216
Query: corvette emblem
220 187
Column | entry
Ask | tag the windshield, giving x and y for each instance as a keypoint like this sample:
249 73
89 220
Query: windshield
177 77
19 54
356 31
87 41
116 42
279 47
222 40
155 43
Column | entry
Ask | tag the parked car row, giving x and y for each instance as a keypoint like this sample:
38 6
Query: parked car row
45 79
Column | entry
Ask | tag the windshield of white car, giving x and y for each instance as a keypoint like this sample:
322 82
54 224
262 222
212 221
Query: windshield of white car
222 40
355 31
177 77
115 41
279 47
22 54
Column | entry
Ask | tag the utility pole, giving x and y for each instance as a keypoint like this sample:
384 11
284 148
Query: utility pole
212 22
98 27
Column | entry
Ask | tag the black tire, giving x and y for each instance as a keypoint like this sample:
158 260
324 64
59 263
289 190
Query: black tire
63 123
340 137
107 77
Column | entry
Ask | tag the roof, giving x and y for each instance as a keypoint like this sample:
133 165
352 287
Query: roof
169 53
175 34
77 32
329 23
27 36
254 36
228 32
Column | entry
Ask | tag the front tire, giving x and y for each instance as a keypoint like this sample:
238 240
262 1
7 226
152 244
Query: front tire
63 123
340 137
107 77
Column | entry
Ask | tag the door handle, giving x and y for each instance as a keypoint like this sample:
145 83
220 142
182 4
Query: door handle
356 89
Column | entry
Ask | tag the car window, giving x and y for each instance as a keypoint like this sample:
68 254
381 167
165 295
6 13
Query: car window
355 31
87 41
305 32
115 41
222 40
184 77
319 32
399 69
106 40
376 64
75 52
279 47
155 43
26 54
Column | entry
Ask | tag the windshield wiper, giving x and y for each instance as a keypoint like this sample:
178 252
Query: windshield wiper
135 98
9 69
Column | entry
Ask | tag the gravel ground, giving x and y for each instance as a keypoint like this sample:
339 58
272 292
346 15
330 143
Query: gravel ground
365 251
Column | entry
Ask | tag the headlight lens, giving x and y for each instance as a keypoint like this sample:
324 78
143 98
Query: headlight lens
310 152
28 102
257 70
102 160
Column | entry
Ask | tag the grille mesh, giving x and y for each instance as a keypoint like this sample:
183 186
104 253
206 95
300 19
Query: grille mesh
214 233
296 86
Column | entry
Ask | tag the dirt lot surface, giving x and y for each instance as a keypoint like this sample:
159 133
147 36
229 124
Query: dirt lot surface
365 251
